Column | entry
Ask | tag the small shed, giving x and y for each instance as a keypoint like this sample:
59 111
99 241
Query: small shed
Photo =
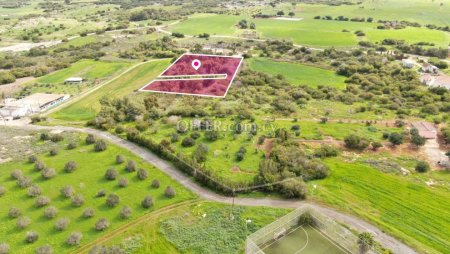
73 80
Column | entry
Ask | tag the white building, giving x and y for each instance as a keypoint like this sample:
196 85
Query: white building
73 80
429 68
32 104
408 63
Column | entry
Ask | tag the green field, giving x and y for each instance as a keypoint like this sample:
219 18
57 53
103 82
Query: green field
411 35
402 206
303 240
87 180
298 74
132 80
208 23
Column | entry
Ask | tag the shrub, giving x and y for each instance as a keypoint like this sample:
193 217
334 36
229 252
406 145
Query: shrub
123 182
195 135
100 145
396 138
46 249
34 191
101 193
31 237
23 222
72 146
48 173
4 248
42 201
142 174
88 212
24 182
294 189
70 166
39 165
326 151
112 200
78 200
120 159
147 202
44 136
56 138
51 212
131 166
54 152
90 139
155 183
14 212
422 167
2 190
175 138
111 174
376 145
101 224
62 224
16 174
126 212
188 142
74 238
212 135
354 142
32 159
67 191
169 192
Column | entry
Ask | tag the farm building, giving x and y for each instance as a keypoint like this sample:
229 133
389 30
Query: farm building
426 130
73 80
408 63
429 68
32 104
436 80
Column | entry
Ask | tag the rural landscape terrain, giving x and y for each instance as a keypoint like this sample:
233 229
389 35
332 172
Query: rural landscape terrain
309 126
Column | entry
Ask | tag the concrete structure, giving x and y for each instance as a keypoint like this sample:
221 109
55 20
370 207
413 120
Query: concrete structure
408 63
441 80
426 130
32 104
429 68
73 80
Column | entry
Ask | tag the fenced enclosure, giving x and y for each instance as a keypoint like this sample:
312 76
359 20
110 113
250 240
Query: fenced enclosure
321 229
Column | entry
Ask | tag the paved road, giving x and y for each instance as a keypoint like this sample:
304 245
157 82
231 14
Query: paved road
356 223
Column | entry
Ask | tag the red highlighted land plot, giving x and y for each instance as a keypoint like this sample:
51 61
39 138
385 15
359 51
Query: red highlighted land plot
196 74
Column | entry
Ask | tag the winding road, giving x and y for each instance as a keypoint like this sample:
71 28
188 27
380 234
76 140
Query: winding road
358 224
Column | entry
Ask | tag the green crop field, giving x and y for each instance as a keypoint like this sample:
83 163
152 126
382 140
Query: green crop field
402 206
134 79
411 35
207 23
87 180
298 74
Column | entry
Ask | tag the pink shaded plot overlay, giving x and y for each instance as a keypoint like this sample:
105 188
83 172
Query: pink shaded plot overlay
193 74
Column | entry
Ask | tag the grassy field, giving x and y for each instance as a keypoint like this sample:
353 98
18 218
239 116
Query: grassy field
136 78
298 74
400 205
87 180
199 228
208 23
411 35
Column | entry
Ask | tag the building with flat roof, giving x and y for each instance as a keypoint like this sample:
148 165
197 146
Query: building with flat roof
32 104
73 80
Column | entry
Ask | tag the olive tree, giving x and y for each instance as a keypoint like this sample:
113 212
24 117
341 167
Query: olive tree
142 174
70 166
31 236
46 249
169 192
67 191
74 238
111 174
101 224
77 200
51 212
14 212
61 224
147 202
112 200
88 212
4 248
34 191
123 182
126 212
42 201
23 222
48 173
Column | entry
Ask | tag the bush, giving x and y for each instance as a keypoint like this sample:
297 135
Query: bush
212 135
16 174
14 212
155 184
48 173
376 145
112 200
70 166
54 152
147 202
4 248
57 138
2 190
126 212
120 159
195 135
123 182
100 146
32 159
188 142
422 167
396 138
294 189
44 136
71 146
74 238
67 191
90 139
23 222
142 174
34 191
31 237
51 212
131 166
111 174
62 224
170 192
101 224
24 182
326 151
46 249
354 142
39 165
101 193
89 212
42 201
77 200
